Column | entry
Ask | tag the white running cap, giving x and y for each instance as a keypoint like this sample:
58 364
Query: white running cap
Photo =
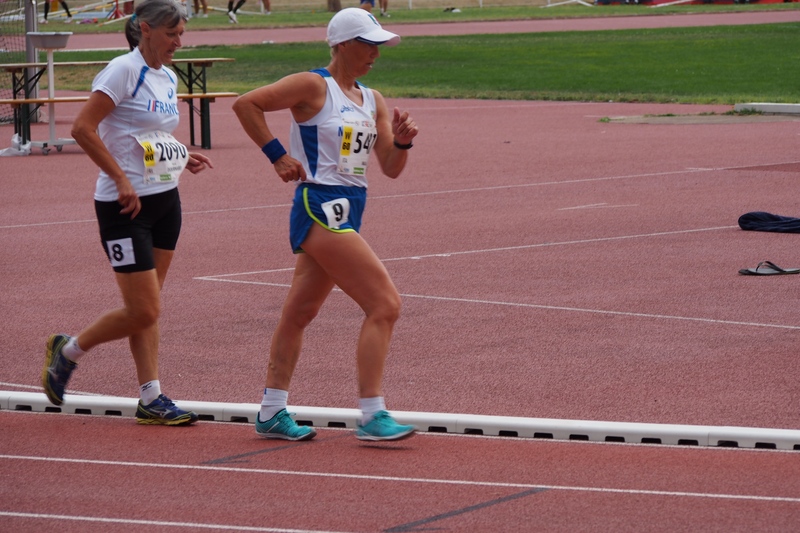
357 23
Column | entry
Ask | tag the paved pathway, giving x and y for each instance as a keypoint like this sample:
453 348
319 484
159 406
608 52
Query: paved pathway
285 35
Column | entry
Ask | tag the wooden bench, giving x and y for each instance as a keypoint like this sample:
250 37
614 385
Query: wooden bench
25 78
22 114
16 102
24 108
204 111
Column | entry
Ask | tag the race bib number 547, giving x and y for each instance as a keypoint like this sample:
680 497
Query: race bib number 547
357 141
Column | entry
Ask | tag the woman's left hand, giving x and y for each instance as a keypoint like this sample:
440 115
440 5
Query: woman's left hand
198 162
404 128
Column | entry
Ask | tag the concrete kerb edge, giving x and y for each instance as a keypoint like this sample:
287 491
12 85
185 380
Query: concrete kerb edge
503 426
769 108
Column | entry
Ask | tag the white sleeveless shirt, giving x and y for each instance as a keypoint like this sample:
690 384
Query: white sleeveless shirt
335 144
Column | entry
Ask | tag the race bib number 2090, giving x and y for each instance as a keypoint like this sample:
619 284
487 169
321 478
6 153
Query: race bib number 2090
164 157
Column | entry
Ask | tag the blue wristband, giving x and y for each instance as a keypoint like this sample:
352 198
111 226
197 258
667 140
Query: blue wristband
274 150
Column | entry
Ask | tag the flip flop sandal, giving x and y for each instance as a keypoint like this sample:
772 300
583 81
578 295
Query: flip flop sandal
768 268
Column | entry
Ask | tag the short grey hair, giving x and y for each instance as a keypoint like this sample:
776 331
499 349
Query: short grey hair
156 13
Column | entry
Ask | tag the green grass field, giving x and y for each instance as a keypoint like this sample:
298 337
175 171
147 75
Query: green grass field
723 64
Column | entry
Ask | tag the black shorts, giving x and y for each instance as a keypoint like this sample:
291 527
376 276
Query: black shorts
129 243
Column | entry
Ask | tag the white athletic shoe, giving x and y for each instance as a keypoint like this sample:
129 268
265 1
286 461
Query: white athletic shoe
232 16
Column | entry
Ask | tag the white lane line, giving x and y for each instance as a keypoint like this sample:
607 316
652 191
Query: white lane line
213 277
393 196
39 387
544 307
603 312
218 278
433 193
604 205
159 523
398 479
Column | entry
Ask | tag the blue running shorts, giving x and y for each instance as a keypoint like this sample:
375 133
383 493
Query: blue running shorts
337 208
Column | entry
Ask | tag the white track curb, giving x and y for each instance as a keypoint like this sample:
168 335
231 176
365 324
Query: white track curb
778 109
547 428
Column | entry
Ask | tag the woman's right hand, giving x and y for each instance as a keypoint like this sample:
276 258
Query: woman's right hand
128 199
290 169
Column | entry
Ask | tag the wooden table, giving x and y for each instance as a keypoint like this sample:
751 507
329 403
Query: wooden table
192 71
24 80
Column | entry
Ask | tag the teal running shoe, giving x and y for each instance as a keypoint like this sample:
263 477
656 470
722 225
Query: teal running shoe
384 427
281 426
57 369
163 411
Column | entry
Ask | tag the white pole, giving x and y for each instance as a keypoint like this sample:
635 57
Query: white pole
51 91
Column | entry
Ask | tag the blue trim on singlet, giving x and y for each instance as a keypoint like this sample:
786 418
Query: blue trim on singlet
310 146
325 74
141 79
309 134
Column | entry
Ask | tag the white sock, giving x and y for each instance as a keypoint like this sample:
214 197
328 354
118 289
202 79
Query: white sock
272 402
370 406
150 391
72 351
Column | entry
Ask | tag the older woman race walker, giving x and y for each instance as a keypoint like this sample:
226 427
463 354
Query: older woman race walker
126 130
326 215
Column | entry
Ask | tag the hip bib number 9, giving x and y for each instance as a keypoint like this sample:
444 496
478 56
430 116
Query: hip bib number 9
164 157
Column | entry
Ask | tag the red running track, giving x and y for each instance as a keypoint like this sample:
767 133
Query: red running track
105 474
552 265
